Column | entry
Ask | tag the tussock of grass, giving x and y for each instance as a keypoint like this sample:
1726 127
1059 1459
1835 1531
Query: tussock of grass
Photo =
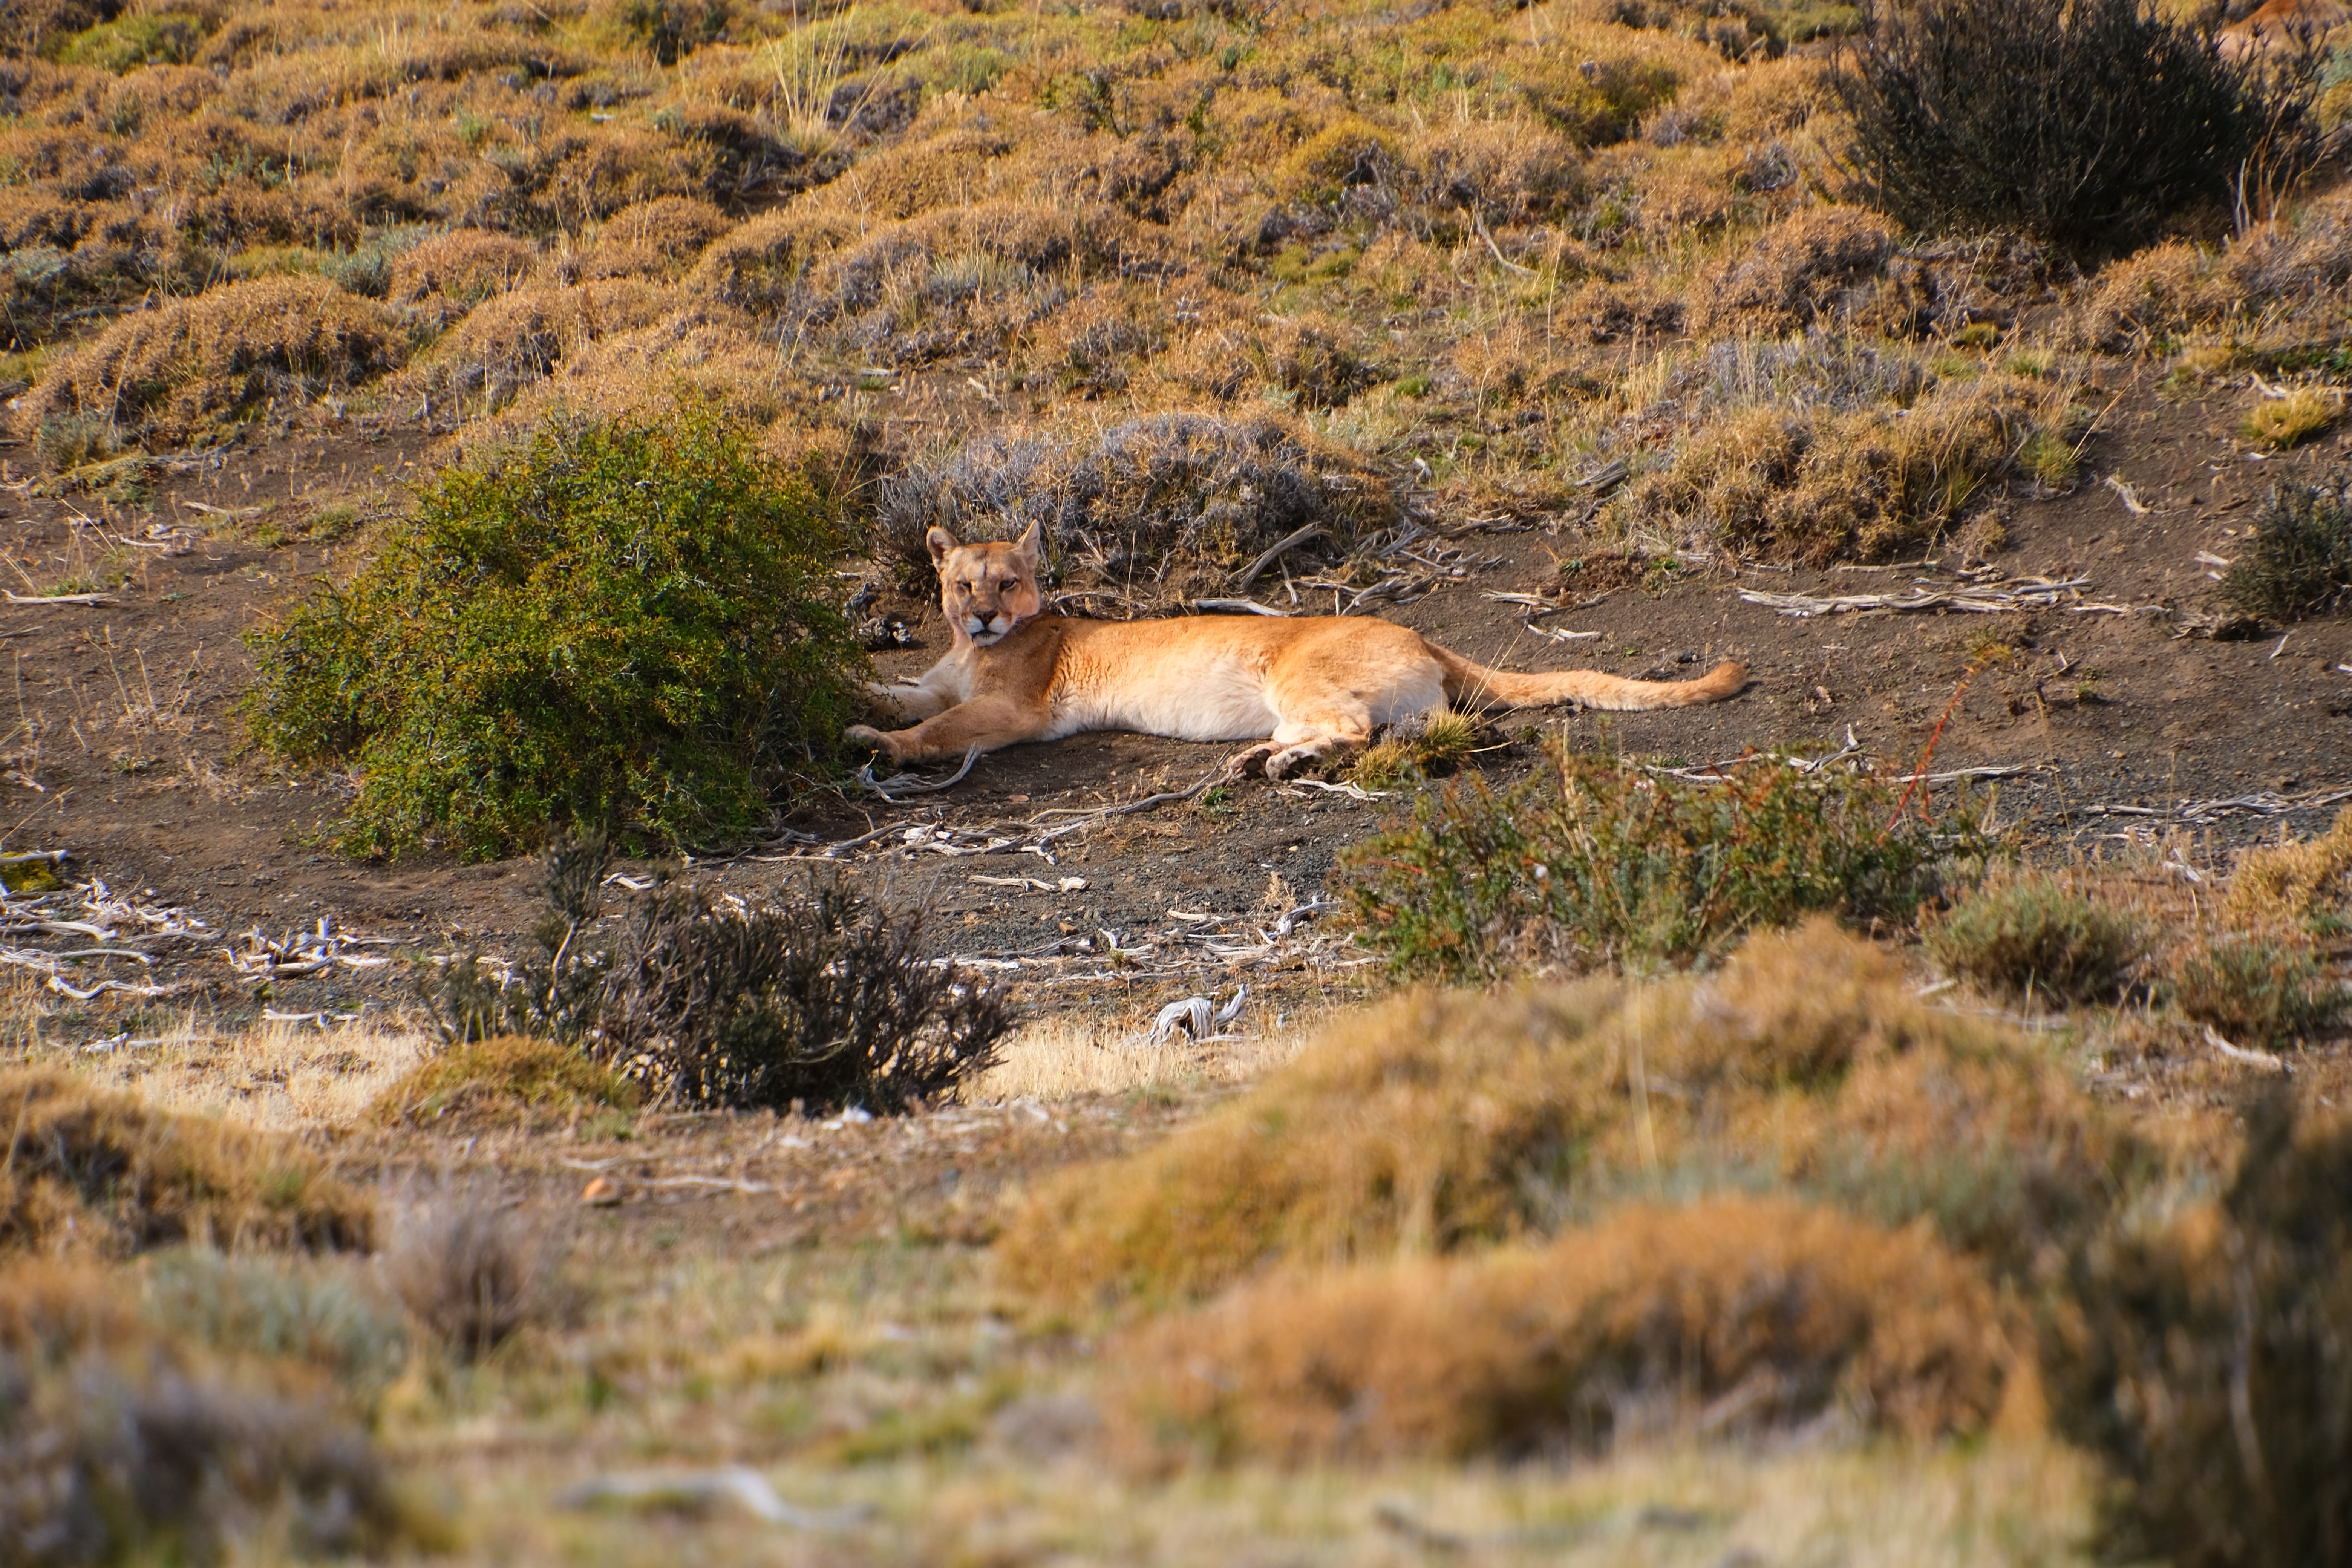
92 1169
1596 860
459 270
514 339
473 1269
184 372
510 1080
1733 1313
1442 1120
2280 422
2034 933
1439 746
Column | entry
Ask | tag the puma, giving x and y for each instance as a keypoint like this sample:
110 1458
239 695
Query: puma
1304 688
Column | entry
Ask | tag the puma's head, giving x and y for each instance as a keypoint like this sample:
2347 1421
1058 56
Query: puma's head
986 589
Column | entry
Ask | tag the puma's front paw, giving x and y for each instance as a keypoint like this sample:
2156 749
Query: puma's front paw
866 735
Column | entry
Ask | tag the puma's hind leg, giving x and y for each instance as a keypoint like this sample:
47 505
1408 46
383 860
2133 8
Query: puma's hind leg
1324 714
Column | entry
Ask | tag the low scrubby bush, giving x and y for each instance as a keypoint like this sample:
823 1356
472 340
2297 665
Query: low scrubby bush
472 1268
2298 561
2209 1364
2256 990
122 1440
2007 114
1596 860
631 624
1780 1311
99 1170
2036 934
821 998
1443 1122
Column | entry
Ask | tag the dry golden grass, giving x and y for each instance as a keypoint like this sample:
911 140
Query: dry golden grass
280 1076
1072 1055
2288 884
2280 422
1439 1121
1739 1313
88 1170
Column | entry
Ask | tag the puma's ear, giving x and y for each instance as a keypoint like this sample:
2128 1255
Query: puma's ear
1032 540
941 541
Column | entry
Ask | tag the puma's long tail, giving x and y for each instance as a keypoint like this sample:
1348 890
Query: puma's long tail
1466 683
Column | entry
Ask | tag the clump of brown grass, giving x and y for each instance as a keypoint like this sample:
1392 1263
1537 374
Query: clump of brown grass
759 265
508 1081
1413 1127
459 270
1799 270
474 1271
90 1168
515 339
179 374
1816 487
1733 1314
1441 1119
661 238
2165 289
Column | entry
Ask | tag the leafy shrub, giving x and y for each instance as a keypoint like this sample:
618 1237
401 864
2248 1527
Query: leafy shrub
2210 1365
1438 1122
508 1080
2006 114
1596 860
821 998
631 624
472 1268
2298 561
1530 1351
2034 933
2256 990
88 1167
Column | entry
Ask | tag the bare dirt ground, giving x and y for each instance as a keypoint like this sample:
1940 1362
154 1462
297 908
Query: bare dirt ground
129 752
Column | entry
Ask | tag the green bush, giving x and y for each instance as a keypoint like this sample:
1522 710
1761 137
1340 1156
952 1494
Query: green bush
630 624
2298 561
2035 934
2210 1365
2256 990
2009 114
1596 860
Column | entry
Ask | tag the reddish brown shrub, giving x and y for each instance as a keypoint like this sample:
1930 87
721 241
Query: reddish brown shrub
1733 1314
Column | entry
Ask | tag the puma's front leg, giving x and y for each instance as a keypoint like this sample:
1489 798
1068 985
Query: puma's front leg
910 702
987 722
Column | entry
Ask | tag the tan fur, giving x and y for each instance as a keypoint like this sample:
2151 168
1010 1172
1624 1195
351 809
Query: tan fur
1303 686
2283 25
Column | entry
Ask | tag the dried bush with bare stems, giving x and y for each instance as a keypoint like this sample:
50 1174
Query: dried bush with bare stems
473 1268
